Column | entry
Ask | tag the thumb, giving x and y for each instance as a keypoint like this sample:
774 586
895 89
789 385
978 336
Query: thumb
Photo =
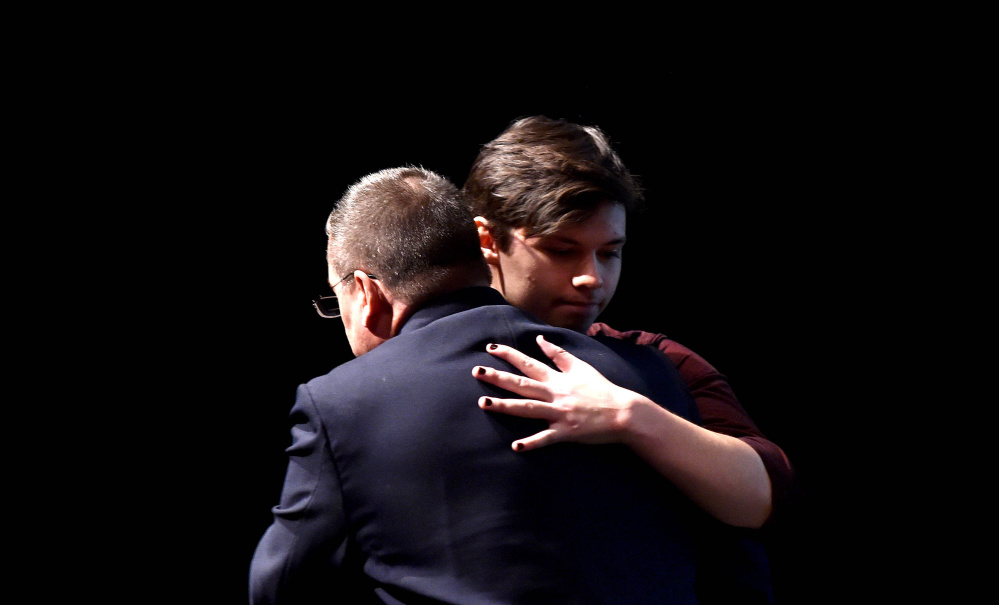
562 358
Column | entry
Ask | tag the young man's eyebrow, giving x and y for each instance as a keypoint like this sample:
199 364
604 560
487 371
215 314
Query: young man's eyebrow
618 241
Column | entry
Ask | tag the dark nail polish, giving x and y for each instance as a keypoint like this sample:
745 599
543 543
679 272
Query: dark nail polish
493 347
487 401
480 371
518 446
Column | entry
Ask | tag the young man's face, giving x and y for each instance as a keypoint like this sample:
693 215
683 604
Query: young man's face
566 278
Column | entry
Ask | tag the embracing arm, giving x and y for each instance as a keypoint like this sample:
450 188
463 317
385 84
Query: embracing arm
720 473
718 407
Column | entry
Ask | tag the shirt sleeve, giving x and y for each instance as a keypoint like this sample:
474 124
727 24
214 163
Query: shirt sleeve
717 405
298 558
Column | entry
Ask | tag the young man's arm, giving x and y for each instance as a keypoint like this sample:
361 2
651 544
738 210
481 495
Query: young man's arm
720 473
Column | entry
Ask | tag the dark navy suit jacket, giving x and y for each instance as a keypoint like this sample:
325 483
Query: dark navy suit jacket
400 489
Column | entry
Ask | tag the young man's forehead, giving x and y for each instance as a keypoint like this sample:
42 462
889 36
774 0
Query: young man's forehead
607 221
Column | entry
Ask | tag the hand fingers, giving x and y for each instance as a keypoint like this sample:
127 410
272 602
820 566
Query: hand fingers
563 359
515 383
528 365
525 408
545 437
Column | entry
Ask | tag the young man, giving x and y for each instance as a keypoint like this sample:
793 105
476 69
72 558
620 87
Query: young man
551 200
399 490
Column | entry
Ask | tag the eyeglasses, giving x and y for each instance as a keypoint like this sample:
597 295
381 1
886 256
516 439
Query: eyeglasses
327 306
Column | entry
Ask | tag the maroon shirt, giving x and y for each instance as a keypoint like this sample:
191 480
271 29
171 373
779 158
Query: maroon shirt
717 405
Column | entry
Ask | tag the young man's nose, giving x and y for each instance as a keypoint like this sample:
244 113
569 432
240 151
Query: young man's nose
588 274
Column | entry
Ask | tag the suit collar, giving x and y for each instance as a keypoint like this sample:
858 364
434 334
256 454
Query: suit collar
455 302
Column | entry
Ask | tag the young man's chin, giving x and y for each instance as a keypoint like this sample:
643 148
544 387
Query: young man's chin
578 319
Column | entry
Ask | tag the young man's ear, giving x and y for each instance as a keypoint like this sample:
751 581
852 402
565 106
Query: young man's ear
490 250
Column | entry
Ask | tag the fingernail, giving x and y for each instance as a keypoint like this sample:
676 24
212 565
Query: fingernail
518 446
487 401
479 371
492 347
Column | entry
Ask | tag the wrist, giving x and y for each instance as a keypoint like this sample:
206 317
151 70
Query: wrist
633 420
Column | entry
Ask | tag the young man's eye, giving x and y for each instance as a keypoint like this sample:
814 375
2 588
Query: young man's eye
615 253
559 251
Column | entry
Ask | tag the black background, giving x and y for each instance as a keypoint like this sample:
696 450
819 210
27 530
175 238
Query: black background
745 254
